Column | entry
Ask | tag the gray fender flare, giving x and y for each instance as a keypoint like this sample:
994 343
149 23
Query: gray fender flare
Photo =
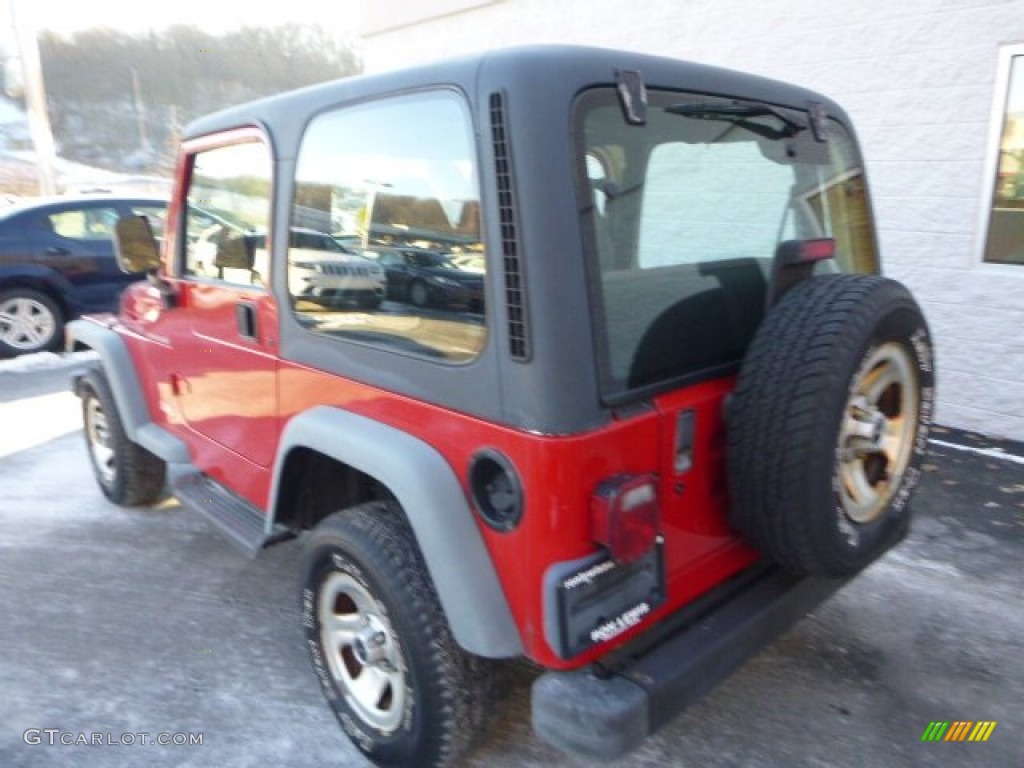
440 516
119 369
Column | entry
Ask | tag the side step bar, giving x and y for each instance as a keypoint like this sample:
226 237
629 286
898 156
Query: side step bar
243 524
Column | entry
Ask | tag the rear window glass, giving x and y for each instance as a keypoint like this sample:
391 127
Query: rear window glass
685 214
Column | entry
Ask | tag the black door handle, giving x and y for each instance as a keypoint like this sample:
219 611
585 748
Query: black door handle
245 313
54 250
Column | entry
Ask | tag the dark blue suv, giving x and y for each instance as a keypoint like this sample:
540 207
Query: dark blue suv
57 262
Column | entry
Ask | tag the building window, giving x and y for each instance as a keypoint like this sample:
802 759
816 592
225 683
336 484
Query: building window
1004 240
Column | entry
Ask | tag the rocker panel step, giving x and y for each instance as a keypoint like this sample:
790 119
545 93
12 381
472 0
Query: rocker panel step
243 524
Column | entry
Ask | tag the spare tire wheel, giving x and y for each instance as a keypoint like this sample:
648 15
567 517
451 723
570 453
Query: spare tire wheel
829 424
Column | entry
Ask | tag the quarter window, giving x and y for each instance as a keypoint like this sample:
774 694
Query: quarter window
1004 241
228 215
385 246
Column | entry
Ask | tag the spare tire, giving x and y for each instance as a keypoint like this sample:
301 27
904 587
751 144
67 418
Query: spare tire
829 424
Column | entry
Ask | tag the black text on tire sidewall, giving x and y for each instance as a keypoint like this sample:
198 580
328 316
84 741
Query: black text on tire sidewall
850 546
396 747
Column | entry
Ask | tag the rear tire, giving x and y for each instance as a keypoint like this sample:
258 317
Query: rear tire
127 473
402 689
829 424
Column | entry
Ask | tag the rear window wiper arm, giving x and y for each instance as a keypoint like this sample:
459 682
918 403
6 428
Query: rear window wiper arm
739 114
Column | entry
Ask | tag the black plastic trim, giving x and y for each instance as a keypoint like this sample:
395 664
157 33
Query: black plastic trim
605 714
242 523
515 305
503 523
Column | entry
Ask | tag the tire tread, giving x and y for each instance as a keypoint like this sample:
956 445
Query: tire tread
141 474
379 537
786 389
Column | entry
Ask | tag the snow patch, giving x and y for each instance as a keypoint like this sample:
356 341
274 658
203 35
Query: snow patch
46 361
37 420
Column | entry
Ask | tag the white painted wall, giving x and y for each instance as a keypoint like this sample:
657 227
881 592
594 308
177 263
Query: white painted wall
918 78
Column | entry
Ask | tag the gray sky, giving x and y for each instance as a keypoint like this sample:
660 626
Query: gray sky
67 16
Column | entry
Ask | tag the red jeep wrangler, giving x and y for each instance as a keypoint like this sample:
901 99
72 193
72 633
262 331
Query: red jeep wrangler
565 354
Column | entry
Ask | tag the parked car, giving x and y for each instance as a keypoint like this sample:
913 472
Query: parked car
57 262
693 410
325 272
426 278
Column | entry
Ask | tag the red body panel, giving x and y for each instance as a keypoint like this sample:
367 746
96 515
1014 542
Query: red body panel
213 390
558 473
558 476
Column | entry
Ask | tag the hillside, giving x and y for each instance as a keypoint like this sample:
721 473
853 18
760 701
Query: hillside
117 101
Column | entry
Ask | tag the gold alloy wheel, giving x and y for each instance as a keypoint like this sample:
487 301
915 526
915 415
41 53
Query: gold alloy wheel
876 437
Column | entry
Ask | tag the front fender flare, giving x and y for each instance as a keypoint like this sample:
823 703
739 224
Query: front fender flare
440 516
119 368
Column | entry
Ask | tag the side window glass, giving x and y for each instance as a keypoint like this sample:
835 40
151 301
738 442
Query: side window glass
385 247
228 214
84 223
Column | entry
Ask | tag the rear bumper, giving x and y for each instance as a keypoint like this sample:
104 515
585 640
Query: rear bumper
605 712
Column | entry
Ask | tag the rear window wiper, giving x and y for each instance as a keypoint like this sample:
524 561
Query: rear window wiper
740 114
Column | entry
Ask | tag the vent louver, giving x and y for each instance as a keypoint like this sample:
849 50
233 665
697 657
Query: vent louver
518 341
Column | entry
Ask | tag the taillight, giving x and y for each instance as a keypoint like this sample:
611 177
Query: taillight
805 251
817 250
625 516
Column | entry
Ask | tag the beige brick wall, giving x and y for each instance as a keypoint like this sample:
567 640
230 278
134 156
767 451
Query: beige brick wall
917 76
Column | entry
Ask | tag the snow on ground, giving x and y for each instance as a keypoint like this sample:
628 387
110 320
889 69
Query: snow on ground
26 422
37 420
46 361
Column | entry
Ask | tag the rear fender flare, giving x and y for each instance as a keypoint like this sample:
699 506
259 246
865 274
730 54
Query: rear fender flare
430 495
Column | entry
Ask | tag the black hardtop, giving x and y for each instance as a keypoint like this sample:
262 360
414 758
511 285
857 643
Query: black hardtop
552 388
536 69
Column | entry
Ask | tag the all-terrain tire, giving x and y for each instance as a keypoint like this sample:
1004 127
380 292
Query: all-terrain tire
362 570
127 473
829 422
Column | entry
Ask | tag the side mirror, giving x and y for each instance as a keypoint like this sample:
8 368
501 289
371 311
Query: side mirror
234 252
135 246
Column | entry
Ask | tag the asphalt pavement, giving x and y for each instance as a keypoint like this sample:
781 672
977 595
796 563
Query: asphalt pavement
117 623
